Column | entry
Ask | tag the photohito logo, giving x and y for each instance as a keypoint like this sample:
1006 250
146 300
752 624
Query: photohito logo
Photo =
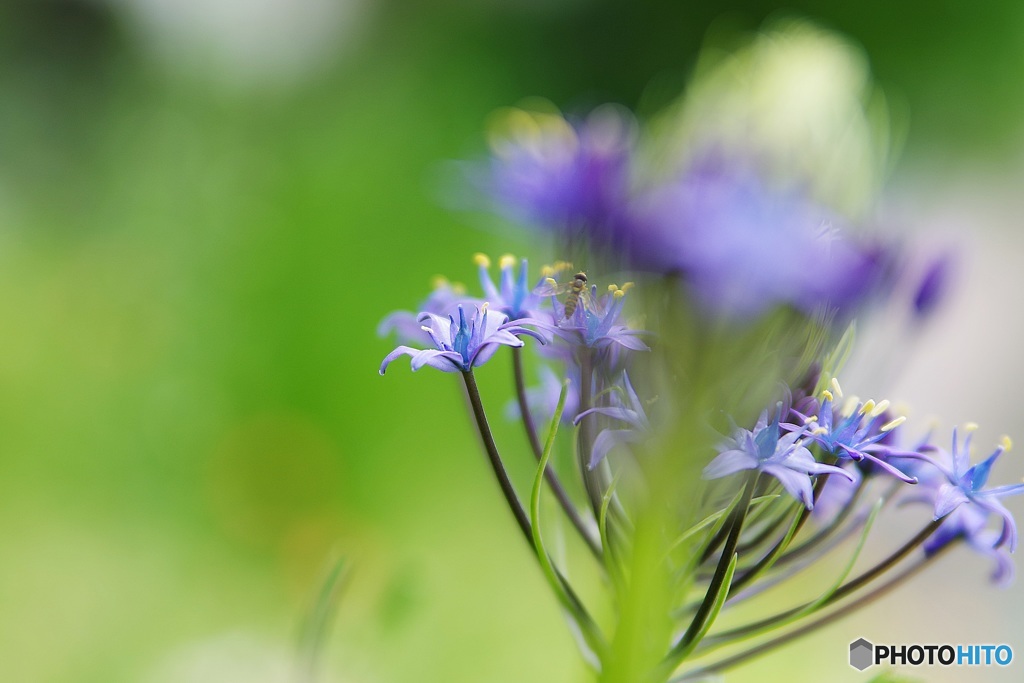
864 654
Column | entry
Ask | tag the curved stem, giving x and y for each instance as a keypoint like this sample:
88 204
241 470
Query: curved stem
522 519
769 645
586 434
538 451
846 588
726 563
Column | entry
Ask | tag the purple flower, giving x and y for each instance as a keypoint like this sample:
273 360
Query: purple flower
463 345
514 296
542 400
857 433
561 175
744 248
965 484
969 522
934 285
406 325
593 323
785 458
626 408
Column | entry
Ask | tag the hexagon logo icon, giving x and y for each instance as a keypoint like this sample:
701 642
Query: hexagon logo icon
862 654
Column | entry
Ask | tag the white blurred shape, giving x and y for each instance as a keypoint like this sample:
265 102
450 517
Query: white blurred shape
251 42
798 100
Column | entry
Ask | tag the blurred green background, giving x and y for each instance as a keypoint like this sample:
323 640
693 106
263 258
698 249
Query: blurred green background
206 208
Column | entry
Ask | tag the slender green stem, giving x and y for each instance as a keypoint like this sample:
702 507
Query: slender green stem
549 473
846 588
835 615
522 519
726 564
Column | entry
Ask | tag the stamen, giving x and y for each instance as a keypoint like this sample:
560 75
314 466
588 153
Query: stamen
819 431
827 395
869 405
458 288
626 286
971 427
1006 442
438 281
482 260
547 271
484 306
507 261
880 408
893 424
550 281
619 293
850 404
836 389
809 420
613 288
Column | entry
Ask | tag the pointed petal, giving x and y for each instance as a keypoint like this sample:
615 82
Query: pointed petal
399 351
607 440
797 484
947 499
445 361
729 462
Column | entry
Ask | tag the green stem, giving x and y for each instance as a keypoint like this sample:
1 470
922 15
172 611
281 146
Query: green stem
769 645
549 473
846 588
726 563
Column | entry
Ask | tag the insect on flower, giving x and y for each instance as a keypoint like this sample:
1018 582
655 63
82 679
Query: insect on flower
574 291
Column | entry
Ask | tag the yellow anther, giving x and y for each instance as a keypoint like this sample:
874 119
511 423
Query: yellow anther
827 395
619 293
547 271
880 408
869 405
893 424
507 261
850 404
550 281
971 427
626 286
1006 442
482 260
809 420
484 306
458 288
836 389
438 281
819 431
613 288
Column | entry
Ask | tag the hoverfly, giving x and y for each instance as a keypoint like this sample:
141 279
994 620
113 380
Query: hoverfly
575 292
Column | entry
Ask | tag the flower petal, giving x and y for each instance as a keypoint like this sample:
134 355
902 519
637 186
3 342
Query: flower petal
729 462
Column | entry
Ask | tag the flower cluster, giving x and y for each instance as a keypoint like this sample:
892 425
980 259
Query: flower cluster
717 455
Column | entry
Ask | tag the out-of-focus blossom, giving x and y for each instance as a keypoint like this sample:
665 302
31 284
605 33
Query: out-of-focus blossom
965 485
783 457
743 247
933 286
626 408
560 175
514 295
406 325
